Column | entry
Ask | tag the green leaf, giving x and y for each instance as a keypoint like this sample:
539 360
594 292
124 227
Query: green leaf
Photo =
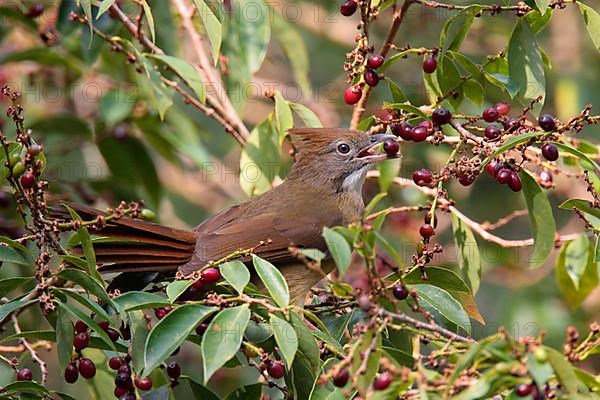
538 21
456 28
449 80
94 307
86 282
10 255
88 249
542 5
200 392
576 264
409 108
78 314
212 26
364 380
248 392
591 18
295 50
339 249
236 274
577 257
31 335
171 331
131 301
563 369
138 326
283 116
64 338
104 6
25 387
86 5
541 218
469 259
7 308
7 285
587 161
186 71
115 106
223 338
176 289
286 339
525 65
396 92
388 170
440 301
473 91
149 19
307 345
273 281
309 118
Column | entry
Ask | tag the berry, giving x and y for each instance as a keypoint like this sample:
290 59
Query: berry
492 132
80 326
201 328
24 374
198 284
87 369
341 378
210 275
34 150
503 175
27 180
546 176
391 147
348 8
419 133
104 325
148 215
405 130
427 124
35 10
276 370
127 396
422 177
441 116
121 132
124 369
491 168
4 199
429 65
547 122
466 180
173 370
81 341
427 219
71 373
550 152
160 313
113 334
523 390
490 114
514 183
382 381
352 95
115 363
120 392
400 292
143 383
371 77
375 61
426 231
502 108
125 331
123 381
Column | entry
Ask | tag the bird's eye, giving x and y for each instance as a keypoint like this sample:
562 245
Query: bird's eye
343 148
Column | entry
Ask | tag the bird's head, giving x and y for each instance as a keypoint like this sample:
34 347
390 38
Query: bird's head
340 157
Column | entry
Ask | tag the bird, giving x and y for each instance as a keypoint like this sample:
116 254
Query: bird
322 189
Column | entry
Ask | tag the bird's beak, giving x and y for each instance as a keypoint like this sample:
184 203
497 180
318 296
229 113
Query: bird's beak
365 153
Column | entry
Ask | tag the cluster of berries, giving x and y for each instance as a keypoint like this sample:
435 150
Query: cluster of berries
353 94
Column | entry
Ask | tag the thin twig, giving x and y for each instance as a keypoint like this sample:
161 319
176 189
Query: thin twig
427 326
34 355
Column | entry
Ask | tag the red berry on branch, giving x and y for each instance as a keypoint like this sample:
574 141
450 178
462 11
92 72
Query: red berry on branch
375 61
523 390
546 177
348 8
210 275
143 383
160 313
28 180
173 370
400 291
503 175
341 378
71 373
514 183
427 124
104 325
201 328
426 231
35 10
124 369
422 177
127 396
119 392
382 381
34 150
391 147
87 368
466 180
405 130
198 284
113 334
80 326
352 95
81 341
419 133
276 369
24 374
550 152
441 116
124 381
547 122
492 132
429 65
115 363
491 168
371 77
490 114
502 108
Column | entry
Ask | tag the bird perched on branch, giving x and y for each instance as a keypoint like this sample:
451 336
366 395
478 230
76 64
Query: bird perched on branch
323 189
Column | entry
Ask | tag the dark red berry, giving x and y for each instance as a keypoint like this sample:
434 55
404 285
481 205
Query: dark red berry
81 341
348 8
426 231
173 370
422 177
466 180
125 331
201 328
104 325
127 396
210 275
502 108
510 124
490 114
491 168
405 130
123 381
391 147
87 368
124 369
341 378
523 390
429 65
115 363
546 177
492 132
427 124
34 150
419 133
276 369
550 152
371 77
441 116
400 292
143 383
547 122
27 180
71 373
382 381
5 199
80 326
120 392
198 284
113 334
503 175
375 61
160 313
514 183
35 10
352 95
24 374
